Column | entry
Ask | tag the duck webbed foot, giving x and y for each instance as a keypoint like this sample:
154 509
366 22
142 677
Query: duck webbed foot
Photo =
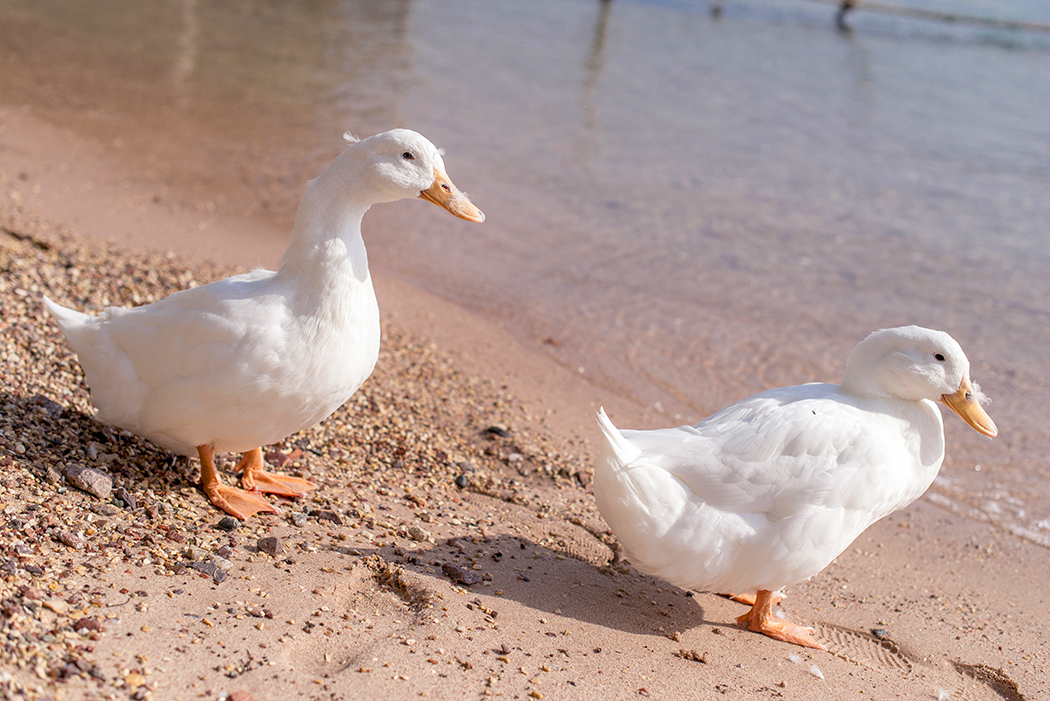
760 619
236 502
256 479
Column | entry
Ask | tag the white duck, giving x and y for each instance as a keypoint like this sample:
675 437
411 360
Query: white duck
244 362
768 491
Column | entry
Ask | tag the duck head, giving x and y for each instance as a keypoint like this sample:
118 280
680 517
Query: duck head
401 163
914 363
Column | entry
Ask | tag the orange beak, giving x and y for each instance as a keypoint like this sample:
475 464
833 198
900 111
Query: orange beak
965 405
444 194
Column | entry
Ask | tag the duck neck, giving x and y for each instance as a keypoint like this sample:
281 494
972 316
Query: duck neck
326 250
862 377
860 385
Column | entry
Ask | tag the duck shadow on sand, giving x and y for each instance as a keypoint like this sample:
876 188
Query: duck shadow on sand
546 580
50 438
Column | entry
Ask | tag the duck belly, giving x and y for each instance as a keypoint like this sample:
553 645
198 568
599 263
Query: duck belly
668 533
238 379
244 407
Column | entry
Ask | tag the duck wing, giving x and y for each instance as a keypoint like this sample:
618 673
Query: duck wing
778 452
202 331
164 369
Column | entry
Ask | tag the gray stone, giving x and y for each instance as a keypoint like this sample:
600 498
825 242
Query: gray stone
210 569
90 480
228 523
50 406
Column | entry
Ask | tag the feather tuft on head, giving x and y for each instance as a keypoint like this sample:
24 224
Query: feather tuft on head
350 137
980 396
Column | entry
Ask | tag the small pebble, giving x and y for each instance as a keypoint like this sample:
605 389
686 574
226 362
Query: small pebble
56 605
270 545
329 516
192 552
227 523
70 539
277 458
459 574
418 534
90 480
88 623
210 569
32 593
51 407
126 497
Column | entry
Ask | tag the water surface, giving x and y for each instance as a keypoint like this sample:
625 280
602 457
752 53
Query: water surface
685 207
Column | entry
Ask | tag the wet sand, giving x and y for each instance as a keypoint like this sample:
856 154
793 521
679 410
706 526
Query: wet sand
359 594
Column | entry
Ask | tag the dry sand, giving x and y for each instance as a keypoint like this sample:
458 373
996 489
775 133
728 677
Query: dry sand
366 590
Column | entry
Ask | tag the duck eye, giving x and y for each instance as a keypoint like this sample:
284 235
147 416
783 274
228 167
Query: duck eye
407 155
939 357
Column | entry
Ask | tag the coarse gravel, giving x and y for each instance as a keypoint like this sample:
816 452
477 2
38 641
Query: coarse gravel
80 501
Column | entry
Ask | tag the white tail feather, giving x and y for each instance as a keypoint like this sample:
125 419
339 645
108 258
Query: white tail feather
620 448
64 316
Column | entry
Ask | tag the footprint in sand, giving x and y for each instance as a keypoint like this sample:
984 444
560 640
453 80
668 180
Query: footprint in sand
865 649
964 682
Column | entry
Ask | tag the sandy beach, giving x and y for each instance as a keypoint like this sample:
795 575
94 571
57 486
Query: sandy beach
453 549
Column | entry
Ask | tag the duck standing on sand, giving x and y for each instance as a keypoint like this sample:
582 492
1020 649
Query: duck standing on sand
247 361
770 490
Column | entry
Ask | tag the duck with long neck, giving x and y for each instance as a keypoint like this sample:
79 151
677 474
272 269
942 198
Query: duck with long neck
247 361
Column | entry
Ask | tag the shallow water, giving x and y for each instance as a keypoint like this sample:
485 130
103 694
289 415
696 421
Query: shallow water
687 208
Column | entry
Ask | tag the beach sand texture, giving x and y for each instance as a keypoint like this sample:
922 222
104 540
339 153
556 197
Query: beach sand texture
439 558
